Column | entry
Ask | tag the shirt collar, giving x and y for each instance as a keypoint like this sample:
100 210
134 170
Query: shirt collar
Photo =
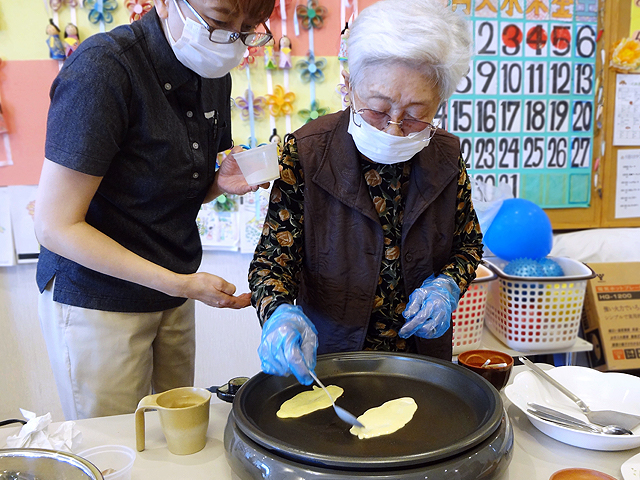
169 71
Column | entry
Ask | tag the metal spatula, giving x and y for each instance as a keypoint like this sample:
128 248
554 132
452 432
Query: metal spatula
599 417
341 412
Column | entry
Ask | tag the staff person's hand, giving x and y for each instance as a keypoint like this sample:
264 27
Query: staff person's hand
289 344
229 179
214 291
428 312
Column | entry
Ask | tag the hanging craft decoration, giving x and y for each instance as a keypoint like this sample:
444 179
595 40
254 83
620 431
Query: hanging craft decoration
284 60
56 50
314 112
259 105
311 15
344 36
101 10
311 69
57 4
137 8
249 58
280 103
270 62
3 123
625 57
4 133
344 94
71 39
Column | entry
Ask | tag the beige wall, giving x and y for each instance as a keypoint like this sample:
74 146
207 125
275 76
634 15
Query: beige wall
226 339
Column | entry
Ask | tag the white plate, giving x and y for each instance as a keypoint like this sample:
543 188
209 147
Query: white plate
599 390
631 468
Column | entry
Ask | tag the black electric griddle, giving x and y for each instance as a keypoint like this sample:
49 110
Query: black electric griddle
457 409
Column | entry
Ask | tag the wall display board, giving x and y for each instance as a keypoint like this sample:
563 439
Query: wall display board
525 110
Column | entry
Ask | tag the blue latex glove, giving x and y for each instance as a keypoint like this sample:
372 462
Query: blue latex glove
428 312
289 344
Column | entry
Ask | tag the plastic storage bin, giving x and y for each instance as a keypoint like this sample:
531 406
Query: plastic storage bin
537 313
468 318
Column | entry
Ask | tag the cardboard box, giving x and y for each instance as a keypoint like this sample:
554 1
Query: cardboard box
611 316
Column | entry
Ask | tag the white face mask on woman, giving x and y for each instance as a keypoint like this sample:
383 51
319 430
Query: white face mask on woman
195 51
382 147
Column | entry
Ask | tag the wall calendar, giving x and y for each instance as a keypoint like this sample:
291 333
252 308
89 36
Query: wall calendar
524 112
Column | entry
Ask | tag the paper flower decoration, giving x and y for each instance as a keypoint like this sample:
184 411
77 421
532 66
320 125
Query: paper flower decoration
314 112
56 4
101 10
626 55
249 58
280 103
259 105
137 8
344 94
311 69
311 15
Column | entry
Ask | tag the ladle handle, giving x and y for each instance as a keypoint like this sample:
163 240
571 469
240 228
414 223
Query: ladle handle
583 406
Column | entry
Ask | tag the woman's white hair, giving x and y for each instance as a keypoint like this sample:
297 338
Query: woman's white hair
423 34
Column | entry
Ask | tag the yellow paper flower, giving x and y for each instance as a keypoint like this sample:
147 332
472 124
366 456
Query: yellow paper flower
280 103
626 55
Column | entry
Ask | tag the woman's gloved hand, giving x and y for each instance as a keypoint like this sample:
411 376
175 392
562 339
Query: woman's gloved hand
428 312
289 344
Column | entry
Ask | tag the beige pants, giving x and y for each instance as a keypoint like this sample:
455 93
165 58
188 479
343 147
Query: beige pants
105 362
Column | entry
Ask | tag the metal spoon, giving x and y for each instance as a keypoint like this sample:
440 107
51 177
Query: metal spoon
560 418
599 417
341 412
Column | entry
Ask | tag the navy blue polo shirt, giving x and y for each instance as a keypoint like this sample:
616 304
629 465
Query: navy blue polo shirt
125 109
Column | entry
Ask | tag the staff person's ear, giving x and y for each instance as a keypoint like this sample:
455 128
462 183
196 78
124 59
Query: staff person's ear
162 9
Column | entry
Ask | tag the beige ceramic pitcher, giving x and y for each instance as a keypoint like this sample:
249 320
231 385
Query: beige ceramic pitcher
184 416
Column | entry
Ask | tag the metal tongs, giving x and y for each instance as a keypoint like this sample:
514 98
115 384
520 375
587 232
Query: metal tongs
560 418
599 417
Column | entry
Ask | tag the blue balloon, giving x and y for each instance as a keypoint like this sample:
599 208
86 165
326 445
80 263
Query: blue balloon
521 229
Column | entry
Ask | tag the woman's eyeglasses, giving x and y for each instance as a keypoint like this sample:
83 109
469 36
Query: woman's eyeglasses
381 121
220 35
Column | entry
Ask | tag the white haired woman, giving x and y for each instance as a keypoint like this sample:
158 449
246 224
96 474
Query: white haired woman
371 230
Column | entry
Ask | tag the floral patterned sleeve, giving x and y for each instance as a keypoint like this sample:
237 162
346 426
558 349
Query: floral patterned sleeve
467 238
275 269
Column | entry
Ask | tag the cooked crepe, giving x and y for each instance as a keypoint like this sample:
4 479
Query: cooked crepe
389 417
308 402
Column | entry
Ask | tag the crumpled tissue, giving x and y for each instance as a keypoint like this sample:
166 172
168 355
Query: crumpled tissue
35 434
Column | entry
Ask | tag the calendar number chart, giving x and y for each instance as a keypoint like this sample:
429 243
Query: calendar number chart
524 112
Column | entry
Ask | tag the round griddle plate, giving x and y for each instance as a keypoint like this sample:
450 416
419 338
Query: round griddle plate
457 409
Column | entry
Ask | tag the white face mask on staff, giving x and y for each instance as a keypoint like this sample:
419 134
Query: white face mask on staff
195 51
381 147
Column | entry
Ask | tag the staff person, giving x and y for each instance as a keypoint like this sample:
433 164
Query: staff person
371 231
137 118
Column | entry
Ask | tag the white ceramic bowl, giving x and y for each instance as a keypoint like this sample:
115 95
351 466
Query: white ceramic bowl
599 390
114 461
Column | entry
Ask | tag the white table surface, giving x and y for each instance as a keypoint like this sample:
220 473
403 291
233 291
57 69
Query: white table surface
491 342
535 456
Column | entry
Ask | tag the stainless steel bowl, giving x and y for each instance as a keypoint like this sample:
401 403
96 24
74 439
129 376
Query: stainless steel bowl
44 464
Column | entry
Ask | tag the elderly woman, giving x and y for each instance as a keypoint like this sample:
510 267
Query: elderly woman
371 229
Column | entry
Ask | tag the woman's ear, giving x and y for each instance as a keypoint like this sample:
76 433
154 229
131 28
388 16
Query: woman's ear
345 75
162 8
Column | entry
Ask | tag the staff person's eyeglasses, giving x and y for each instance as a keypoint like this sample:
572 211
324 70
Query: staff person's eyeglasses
381 121
220 35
